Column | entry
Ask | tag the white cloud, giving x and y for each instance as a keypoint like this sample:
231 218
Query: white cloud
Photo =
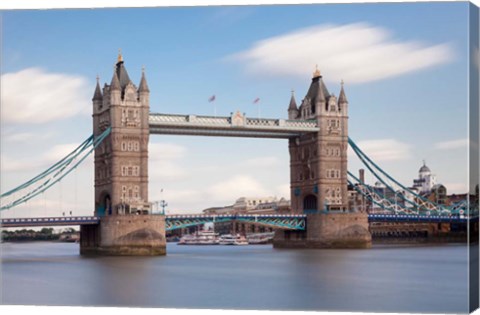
235 187
12 165
26 136
163 159
39 163
45 207
219 194
58 152
263 161
284 191
452 144
35 96
166 171
384 150
166 151
356 53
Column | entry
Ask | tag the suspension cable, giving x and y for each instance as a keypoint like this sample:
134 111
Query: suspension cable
60 168
364 157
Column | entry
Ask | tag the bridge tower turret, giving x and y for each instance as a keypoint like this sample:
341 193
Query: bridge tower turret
127 226
318 176
292 108
121 161
319 161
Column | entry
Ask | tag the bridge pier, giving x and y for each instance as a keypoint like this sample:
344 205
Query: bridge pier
328 230
126 235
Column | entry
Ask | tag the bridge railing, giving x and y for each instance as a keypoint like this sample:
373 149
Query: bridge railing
194 120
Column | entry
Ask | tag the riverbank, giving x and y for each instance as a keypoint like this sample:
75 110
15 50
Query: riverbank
45 234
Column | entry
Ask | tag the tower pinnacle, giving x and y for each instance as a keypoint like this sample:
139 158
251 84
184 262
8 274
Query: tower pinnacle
115 84
120 57
97 96
143 87
342 98
316 73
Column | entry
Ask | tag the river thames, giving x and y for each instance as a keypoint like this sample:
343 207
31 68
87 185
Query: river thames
385 278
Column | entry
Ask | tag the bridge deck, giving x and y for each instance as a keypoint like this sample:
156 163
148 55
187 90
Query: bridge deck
236 125
285 221
53 221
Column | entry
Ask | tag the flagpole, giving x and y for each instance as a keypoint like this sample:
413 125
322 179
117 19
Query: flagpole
257 101
212 99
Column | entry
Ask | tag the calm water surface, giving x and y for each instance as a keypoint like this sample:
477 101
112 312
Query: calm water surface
383 279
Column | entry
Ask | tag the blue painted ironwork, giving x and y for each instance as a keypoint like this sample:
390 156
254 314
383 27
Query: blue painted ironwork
420 203
288 221
418 218
53 174
53 221
371 195
188 221
280 221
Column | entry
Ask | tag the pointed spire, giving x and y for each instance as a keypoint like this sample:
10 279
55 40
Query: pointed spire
320 97
342 98
120 57
122 74
97 96
316 73
293 103
143 87
115 84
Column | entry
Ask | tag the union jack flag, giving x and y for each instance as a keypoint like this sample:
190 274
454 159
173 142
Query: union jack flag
255 101
212 98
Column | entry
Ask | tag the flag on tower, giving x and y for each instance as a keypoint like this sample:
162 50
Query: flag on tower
255 101
212 98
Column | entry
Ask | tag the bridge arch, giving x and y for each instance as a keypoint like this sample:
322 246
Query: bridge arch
104 207
310 204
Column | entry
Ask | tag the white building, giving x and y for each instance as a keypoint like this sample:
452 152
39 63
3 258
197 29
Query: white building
426 180
249 203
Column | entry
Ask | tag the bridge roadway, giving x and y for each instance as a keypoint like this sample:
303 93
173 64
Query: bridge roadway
177 221
237 125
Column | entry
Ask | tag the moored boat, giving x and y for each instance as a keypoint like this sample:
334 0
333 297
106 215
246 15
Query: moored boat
260 238
200 238
229 239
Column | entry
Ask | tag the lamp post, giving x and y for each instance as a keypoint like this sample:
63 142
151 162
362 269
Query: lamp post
163 204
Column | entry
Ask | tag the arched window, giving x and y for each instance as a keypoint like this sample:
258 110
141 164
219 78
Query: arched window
310 203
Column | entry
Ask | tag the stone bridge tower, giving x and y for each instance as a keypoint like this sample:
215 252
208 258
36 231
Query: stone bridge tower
127 226
121 161
318 161
318 175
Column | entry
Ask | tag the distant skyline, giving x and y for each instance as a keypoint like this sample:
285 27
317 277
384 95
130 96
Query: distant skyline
405 79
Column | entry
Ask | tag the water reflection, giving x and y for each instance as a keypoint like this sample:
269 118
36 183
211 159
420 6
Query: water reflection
384 279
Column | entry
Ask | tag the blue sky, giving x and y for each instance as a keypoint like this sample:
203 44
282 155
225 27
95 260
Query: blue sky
404 67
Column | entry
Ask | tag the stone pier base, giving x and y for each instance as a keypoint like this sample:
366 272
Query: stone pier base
328 230
124 235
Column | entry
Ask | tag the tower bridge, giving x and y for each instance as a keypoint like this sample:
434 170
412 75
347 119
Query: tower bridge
317 135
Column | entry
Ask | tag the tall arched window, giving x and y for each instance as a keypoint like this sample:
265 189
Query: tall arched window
310 203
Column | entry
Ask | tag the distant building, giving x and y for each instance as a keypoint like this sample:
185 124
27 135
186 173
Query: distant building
438 194
257 205
426 180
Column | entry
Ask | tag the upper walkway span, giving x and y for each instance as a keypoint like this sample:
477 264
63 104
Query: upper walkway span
237 125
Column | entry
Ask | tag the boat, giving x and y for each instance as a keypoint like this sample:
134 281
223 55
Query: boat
260 238
229 239
205 237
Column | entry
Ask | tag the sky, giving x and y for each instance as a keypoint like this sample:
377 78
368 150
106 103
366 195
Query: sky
404 66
